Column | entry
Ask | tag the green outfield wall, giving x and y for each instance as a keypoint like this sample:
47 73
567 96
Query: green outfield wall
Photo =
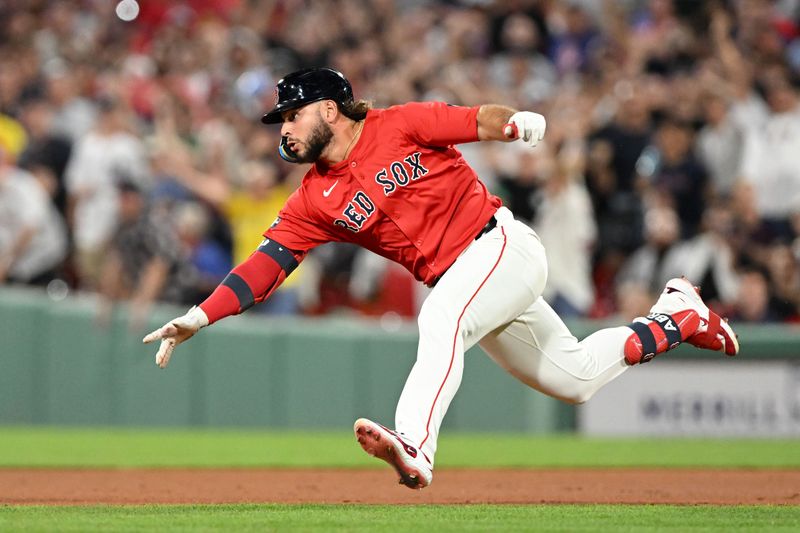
60 366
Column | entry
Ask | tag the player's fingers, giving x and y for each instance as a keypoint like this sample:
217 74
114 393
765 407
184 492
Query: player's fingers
150 337
165 352
510 131
167 330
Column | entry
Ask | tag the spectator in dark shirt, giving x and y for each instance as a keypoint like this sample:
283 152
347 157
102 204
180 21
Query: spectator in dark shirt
143 262
670 170
47 152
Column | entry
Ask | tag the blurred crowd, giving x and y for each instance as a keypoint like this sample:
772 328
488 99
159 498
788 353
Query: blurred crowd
133 163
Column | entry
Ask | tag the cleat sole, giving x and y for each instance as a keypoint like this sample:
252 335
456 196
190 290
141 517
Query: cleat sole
409 476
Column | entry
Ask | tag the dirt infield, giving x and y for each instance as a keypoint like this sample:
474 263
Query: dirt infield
138 486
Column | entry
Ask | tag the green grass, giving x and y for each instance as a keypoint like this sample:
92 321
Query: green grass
70 447
63 447
401 518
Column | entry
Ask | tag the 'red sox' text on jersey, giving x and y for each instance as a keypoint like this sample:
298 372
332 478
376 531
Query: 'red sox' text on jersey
403 164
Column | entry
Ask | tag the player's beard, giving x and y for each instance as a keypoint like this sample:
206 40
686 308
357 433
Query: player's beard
319 139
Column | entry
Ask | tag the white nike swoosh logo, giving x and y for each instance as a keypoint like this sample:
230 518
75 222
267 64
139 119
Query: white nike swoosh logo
328 192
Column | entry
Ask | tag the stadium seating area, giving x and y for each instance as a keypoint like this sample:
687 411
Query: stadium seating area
133 163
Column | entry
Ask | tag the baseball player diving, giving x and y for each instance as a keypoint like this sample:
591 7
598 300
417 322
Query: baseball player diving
392 181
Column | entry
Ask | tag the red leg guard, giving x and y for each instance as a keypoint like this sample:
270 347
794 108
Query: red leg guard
660 333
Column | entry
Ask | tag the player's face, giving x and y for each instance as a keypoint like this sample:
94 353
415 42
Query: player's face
307 133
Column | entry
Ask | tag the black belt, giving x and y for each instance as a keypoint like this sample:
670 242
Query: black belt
487 228
484 230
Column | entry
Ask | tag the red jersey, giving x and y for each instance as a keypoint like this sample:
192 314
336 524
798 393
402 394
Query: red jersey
404 193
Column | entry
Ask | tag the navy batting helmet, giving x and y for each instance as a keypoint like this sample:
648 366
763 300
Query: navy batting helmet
306 86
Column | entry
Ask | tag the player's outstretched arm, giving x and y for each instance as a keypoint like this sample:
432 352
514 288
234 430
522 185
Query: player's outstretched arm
501 123
251 282
175 332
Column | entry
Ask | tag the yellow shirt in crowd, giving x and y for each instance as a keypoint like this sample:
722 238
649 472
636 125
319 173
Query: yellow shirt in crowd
250 217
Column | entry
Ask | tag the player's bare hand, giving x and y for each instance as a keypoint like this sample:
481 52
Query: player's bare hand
175 332
527 126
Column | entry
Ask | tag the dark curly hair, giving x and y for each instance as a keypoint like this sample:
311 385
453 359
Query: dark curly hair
356 110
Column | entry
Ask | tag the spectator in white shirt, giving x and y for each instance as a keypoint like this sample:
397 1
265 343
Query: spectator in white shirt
720 143
33 238
74 114
770 163
108 150
565 223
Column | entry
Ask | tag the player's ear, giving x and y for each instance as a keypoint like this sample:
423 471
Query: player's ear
329 110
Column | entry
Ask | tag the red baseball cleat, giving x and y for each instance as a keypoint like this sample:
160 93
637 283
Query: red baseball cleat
679 315
713 333
413 466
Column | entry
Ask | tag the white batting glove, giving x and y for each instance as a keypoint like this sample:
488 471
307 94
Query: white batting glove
527 126
175 332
